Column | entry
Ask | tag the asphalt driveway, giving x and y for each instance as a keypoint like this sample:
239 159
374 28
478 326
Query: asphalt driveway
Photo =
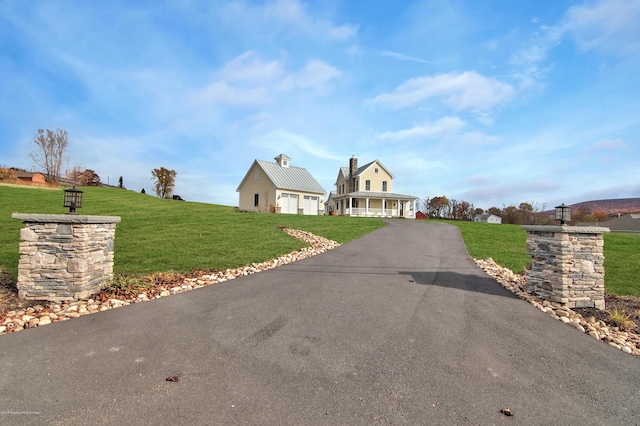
397 327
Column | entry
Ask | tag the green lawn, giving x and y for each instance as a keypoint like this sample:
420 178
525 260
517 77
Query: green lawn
622 263
506 244
157 235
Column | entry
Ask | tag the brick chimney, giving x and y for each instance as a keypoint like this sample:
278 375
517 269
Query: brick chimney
353 170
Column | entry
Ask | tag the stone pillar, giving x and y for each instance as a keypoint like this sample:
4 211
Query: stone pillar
567 264
63 256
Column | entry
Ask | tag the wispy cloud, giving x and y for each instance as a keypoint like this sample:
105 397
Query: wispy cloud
249 81
529 62
608 145
402 57
459 91
284 16
444 127
282 140
605 26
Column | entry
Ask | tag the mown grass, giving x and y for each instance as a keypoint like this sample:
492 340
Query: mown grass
506 244
157 235
622 264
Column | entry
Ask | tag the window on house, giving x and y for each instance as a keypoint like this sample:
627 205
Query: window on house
356 184
384 186
375 170
256 200
367 185
257 176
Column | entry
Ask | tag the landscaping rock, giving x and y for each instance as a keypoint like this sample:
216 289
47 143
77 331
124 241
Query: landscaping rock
597 329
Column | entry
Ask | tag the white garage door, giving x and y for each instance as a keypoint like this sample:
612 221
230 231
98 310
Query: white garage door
289 203
311 205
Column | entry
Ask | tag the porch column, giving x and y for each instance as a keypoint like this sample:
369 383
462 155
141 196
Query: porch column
398 208
366 206
384 207
350 206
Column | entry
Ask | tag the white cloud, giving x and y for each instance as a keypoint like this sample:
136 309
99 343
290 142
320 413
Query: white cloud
248 81
547 38
528 60
459 91
519 190
283 141
292 12
284 15
250 69
608 145
222 93
315 76
444 127
607 25
403 57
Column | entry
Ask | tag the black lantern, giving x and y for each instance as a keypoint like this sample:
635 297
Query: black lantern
72 199
563 213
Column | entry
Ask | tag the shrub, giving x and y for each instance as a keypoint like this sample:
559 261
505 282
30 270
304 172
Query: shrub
620 318
8 175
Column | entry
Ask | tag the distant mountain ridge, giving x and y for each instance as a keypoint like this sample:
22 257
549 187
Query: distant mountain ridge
613 207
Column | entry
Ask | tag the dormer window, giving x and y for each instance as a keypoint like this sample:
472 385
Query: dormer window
285 163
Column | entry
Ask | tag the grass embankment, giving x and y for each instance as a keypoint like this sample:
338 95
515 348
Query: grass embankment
506 244
157 235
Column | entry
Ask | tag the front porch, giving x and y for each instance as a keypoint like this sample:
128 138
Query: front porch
358 205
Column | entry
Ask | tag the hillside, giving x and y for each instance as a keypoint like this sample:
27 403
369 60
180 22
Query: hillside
613 207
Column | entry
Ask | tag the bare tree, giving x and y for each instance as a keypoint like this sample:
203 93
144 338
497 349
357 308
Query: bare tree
49 152
165 180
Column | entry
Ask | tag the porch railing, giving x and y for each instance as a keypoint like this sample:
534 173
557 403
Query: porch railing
356 211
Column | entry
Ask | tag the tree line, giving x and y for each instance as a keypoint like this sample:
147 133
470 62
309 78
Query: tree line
524 214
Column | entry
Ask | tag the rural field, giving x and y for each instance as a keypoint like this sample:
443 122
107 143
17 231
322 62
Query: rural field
160 235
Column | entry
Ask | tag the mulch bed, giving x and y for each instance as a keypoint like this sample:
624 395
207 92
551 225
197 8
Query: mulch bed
629 304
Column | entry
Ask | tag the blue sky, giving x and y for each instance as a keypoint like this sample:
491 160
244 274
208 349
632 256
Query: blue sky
491 102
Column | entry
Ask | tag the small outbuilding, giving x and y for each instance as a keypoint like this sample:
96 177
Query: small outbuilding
280 188
30 176
487 218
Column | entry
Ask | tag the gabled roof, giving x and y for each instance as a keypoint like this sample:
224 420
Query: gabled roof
24 174
345 170
291 178
361 169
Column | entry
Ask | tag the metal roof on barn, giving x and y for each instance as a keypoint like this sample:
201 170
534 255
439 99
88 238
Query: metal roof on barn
292 178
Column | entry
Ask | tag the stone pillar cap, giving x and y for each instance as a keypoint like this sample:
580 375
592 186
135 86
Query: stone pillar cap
64 218
566 229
